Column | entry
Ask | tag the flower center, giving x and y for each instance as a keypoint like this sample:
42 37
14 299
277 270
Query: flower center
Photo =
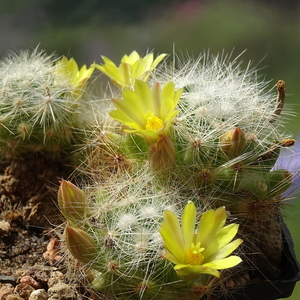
154 122
193 255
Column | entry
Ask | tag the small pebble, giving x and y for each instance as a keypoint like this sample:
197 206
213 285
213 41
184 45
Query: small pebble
21 272
6 273
30 281
24 290
52 253
62 291
5 290
4 227
38 295
54 278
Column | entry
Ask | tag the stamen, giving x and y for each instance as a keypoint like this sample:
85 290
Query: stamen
193 255
154 122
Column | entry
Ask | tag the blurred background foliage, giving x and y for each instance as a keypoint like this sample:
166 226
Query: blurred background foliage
87 29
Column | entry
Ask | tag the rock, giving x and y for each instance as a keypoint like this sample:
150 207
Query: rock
52 253
30 281
38 295
4 227
5 290
14 297
40 274
8 279
55 277
62 291
24 290
21 272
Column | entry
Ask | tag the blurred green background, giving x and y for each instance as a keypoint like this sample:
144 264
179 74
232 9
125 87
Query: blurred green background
87 29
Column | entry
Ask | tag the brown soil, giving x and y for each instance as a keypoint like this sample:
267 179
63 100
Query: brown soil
29 250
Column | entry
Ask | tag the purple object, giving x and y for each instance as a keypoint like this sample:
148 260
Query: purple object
289 159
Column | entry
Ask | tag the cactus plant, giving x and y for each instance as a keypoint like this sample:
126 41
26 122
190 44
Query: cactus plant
40 105
44 114
185 144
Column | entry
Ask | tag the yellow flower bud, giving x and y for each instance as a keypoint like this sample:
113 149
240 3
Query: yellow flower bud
72 201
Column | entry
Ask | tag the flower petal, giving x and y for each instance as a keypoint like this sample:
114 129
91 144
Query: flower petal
142 89
109 69
222 238
210 223
131 58
157 100
169 101
132 67
139 69
125 119
171 242
125 72
226 250
131 106
224 263
171 257
188 224
157 61
191 271
171 220
148 61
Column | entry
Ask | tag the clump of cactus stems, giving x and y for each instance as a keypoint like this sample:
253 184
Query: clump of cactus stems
41 105
182 164
44 114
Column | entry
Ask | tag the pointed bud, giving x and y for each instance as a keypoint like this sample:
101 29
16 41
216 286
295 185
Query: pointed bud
72 201
233 142
81 245
162 154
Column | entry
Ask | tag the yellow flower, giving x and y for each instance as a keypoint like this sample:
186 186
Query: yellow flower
69 69
205 251
145 112
132 67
